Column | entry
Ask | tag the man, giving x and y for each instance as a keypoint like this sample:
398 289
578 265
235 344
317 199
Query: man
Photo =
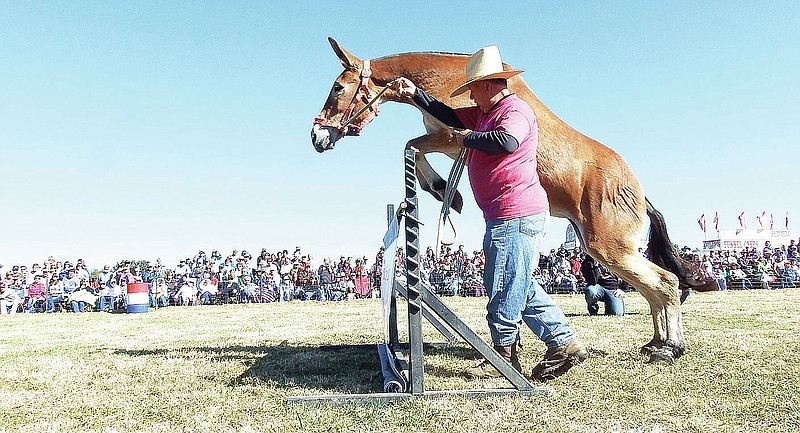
105 276
601 286
501 135
36 292
566 281
788 275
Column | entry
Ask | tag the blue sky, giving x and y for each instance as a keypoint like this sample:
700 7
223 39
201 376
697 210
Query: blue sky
154 129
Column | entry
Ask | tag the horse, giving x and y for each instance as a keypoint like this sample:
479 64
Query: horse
586 182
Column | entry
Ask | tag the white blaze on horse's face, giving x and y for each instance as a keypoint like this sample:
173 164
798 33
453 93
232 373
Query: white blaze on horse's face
324 137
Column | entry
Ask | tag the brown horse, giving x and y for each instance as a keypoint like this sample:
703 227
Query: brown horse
586 182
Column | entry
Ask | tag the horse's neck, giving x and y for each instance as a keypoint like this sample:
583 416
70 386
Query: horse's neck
436 74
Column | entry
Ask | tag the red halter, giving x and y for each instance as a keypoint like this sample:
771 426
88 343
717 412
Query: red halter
361 94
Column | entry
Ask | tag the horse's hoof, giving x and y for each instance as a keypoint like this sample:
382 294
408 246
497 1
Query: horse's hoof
650 347
677 348
661 357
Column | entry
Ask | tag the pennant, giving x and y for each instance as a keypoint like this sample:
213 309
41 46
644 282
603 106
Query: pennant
760 219
716 221
787 219
702 222
771 222
742 220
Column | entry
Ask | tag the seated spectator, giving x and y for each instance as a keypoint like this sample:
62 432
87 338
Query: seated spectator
436 278
738 278
338 290
286 289
566 281
159 297
37 296
71 282
187 293
9 299
105 298
208 291
119 293
80 298
55 293
601 286
246 289
265 292
788 276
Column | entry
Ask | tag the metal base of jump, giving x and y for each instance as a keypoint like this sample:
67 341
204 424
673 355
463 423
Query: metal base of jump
422 302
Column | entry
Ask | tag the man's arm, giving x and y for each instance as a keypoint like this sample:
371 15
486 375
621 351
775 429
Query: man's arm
491 142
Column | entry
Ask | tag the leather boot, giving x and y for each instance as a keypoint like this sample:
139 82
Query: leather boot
485 370
559 360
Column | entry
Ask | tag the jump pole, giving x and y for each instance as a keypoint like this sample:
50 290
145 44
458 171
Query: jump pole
423 302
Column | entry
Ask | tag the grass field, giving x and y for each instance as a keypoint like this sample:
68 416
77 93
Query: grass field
231 368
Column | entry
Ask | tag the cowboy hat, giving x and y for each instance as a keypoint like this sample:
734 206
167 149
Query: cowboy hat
485 65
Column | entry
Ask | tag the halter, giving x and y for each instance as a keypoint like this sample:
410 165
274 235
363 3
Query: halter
362 94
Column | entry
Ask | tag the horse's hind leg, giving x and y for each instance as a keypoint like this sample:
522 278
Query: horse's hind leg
660 288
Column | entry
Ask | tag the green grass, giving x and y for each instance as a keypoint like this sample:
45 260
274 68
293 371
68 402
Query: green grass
231 368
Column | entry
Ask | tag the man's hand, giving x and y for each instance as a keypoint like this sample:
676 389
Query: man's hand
619 293
405 88
459 134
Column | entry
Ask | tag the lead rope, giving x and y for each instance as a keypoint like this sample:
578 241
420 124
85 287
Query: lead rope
450 193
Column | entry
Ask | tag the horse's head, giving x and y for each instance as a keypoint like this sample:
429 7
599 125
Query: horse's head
351 93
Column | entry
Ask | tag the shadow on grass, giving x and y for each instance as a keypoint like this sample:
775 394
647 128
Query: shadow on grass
634 313
344 369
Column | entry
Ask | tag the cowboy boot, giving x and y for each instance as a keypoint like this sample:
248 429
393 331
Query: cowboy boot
486 370
559 360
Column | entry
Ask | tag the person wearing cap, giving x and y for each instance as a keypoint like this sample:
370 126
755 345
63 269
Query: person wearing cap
601 286
500 132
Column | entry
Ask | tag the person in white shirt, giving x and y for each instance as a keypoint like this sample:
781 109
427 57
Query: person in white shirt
9 300
187 294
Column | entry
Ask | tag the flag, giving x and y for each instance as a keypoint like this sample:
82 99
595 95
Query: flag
771 222
716 221
787 219
742 220
702 222
760 219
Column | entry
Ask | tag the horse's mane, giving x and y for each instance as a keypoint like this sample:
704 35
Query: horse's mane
438 53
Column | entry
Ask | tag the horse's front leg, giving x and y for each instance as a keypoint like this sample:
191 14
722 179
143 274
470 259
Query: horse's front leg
429 180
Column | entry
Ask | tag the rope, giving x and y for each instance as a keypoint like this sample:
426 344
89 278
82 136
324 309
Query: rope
367 106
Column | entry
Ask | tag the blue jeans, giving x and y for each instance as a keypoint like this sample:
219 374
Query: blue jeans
106 301
51 302
597 293
77 306
512 253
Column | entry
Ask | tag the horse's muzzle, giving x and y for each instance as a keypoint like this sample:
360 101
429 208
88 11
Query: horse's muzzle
323 137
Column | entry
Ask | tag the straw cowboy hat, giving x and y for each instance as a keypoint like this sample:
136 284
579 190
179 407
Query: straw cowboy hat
485 65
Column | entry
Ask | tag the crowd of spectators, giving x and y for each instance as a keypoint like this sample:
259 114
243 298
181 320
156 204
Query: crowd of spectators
280 277
199 279
750 268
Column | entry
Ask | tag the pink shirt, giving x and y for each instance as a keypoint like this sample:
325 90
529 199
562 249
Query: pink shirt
36 291
506 186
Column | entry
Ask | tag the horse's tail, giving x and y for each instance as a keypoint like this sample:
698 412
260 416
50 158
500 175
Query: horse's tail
663 253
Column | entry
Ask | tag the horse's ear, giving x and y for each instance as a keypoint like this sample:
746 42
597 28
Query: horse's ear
348 60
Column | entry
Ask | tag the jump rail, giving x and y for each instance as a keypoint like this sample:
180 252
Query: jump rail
422 302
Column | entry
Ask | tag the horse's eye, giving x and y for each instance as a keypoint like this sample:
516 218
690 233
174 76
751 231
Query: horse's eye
337 88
